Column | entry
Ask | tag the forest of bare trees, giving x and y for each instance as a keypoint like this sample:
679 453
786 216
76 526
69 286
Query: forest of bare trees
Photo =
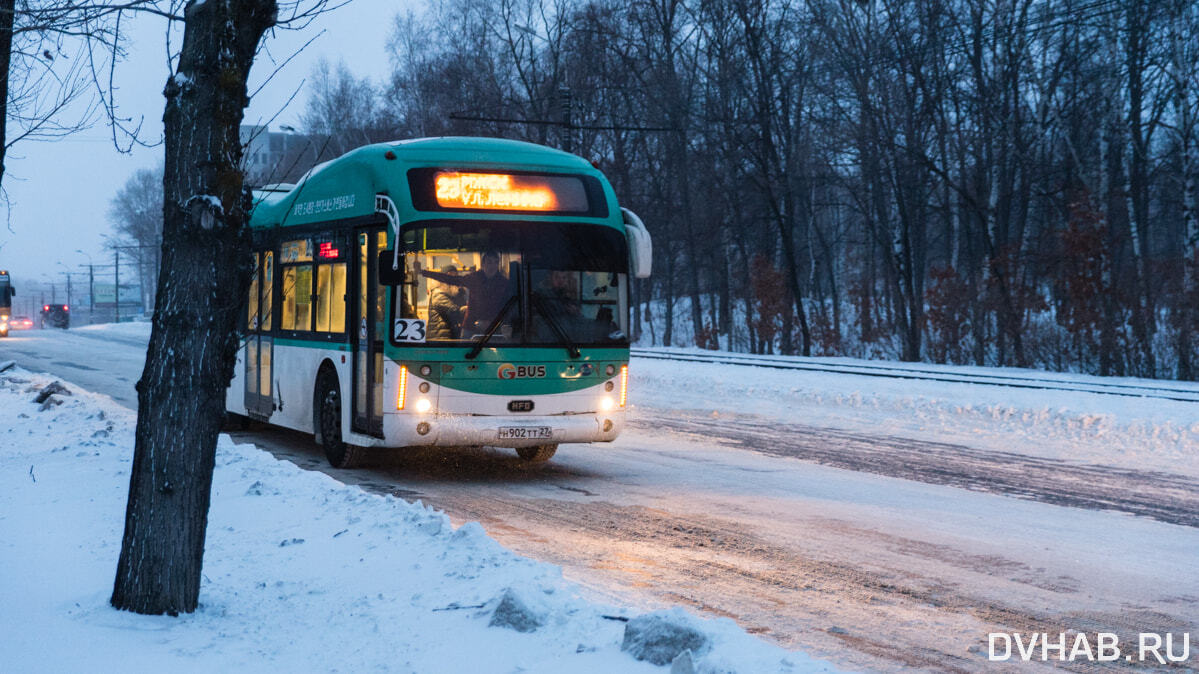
1000 182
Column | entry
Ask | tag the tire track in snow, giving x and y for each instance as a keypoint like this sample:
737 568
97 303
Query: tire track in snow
1173 499
865 598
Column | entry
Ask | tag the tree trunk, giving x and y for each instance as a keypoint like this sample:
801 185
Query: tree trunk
193 345
725 320
1185 123
668 287
7 14
1136 192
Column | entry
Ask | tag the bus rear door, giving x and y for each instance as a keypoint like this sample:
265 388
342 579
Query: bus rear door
259 342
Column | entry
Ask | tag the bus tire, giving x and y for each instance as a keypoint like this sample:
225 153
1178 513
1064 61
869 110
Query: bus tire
328 405
536 453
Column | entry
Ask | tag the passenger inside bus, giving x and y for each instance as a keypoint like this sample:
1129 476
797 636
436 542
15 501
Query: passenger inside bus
487 290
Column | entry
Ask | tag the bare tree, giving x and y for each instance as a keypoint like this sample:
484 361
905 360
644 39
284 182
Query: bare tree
193 344
43 66
342 111
900 156
135 214
1183 81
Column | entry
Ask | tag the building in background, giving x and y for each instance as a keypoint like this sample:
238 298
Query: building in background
279 156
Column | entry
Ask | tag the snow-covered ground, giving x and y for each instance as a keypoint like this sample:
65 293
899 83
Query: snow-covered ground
817 557
1139 433
301 572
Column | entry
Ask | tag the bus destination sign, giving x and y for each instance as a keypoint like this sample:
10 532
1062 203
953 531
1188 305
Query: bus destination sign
509 192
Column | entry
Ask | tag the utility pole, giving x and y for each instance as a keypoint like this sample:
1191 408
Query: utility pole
91 287
564 99
116 252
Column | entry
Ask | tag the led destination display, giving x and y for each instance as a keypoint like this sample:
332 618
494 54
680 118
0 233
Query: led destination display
509 192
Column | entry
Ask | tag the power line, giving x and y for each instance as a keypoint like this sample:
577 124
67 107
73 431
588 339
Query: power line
547 122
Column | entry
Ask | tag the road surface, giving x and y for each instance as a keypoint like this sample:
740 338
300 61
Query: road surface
871 551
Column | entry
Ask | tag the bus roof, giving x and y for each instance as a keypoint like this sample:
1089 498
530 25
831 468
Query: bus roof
345 187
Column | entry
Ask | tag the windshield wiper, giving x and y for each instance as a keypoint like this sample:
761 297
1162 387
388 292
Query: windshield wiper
495 325
563 339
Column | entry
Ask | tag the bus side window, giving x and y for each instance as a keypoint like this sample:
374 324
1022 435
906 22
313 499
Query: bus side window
297 285
268 285
331 298
252 303
338 299
297 297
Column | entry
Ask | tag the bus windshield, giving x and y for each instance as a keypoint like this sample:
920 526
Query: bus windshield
529 283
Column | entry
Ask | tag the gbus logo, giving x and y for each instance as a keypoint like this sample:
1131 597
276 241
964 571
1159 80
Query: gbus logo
510 371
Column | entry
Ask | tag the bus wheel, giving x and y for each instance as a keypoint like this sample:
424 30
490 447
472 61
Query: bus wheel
328 400
537 453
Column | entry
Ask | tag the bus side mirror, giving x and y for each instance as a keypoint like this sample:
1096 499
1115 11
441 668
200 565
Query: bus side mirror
390 275
641 247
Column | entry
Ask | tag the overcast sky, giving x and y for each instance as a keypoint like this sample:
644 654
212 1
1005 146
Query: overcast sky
60 191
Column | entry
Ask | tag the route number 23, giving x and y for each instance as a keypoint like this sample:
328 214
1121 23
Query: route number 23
409 330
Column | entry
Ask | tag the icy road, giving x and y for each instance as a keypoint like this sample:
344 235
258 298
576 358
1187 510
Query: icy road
875 525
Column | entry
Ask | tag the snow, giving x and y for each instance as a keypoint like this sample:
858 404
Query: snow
212 201
896 537
1139 433
301 572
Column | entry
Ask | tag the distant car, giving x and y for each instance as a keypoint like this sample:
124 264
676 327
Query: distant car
21 323
56 316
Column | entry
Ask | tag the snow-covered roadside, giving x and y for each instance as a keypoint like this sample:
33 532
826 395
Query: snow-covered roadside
1137 433
301 572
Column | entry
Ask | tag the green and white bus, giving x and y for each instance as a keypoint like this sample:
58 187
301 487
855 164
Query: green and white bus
441 292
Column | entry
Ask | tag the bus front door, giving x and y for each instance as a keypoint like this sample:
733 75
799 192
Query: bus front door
368 333
259 392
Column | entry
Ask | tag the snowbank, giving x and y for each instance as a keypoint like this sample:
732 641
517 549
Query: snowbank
1137 433
301 573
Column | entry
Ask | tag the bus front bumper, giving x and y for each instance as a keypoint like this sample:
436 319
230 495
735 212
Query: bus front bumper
449 430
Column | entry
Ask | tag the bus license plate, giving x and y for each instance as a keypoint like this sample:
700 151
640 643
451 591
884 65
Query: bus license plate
526 433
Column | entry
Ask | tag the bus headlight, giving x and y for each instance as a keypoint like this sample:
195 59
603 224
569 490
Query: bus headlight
423 405
606 403
624 384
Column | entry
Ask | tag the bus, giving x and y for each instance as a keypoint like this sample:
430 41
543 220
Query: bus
6 293
441 292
